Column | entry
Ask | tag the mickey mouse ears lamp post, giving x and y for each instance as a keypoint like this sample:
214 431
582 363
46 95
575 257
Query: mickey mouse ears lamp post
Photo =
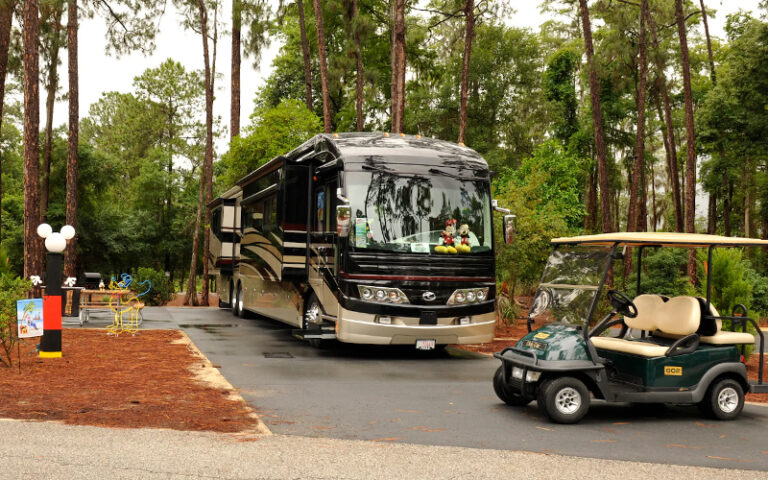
55 243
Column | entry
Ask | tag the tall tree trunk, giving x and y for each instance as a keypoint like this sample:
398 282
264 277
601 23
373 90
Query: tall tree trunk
70 261
748 230
709 44
597 119
210 81
590 221
469 13
638 172
305 54
359 67
6 18
674 179
653 198
51 87
690 164
398 66
190 297
323 66
33 258
234 113
727 196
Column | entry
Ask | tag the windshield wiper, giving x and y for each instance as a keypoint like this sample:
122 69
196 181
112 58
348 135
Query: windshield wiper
435 171
375 168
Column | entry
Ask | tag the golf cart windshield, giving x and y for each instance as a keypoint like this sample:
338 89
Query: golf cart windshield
570 285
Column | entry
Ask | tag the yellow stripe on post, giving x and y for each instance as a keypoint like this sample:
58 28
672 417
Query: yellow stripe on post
50 354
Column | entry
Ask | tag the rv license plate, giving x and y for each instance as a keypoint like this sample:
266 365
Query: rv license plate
425 344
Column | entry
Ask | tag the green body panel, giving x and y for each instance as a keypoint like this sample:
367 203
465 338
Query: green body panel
559 341
683 371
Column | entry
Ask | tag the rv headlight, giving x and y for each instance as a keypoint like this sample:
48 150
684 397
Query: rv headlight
382 294
468 295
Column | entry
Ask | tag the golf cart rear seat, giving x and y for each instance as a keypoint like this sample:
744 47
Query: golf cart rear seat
721 337
711 329
676 318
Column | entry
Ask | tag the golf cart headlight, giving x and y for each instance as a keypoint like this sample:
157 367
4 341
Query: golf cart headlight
532 376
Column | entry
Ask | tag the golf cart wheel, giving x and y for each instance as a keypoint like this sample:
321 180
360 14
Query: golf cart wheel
564 399
724 399
503 391
312 318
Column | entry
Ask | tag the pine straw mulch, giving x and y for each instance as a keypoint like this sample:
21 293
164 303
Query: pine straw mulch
156 379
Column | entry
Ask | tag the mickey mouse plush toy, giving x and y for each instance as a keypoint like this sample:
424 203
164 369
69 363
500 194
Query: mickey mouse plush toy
448 233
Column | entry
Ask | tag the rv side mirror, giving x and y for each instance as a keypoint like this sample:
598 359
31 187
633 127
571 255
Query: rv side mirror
509 228
497 208
343 213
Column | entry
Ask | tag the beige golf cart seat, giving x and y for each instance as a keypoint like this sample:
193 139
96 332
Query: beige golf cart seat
722 337
678 317
713 333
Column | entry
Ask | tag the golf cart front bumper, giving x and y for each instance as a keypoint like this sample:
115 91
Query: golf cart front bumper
522 369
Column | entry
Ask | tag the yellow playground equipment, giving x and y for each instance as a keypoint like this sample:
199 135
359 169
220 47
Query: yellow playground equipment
131 306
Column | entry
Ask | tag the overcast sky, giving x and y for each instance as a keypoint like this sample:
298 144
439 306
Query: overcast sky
101 73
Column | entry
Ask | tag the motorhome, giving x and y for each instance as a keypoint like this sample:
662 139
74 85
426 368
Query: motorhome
364 238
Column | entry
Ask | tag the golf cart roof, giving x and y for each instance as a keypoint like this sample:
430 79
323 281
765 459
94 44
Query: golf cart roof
664 239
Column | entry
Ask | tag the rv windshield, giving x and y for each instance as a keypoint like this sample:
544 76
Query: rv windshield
569 285
436 212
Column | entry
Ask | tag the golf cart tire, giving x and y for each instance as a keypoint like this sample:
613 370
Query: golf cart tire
724 399
502 391
564 399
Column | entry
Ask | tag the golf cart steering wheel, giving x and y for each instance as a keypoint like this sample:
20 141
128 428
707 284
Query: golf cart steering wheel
622 303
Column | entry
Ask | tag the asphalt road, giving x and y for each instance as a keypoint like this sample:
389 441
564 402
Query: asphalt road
441 398
54 451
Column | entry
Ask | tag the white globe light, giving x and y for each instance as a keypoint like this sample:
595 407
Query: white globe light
44 230
68 231
55 243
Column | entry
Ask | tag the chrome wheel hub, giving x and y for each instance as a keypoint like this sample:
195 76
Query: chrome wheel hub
728 400
312 317
568 400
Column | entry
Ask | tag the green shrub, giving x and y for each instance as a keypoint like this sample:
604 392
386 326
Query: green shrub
162 289
664 272
12 288
730 284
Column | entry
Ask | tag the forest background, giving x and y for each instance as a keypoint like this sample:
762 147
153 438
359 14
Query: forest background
615 115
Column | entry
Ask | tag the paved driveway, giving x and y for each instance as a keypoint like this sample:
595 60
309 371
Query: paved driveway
444 398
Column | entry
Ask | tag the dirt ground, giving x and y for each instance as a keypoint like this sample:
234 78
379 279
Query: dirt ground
156 378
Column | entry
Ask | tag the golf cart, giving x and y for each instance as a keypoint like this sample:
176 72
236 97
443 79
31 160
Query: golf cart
650 349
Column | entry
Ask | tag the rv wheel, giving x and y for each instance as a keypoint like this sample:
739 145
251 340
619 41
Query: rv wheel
235 301
724 399
241 311
564 399
503 391
312 318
